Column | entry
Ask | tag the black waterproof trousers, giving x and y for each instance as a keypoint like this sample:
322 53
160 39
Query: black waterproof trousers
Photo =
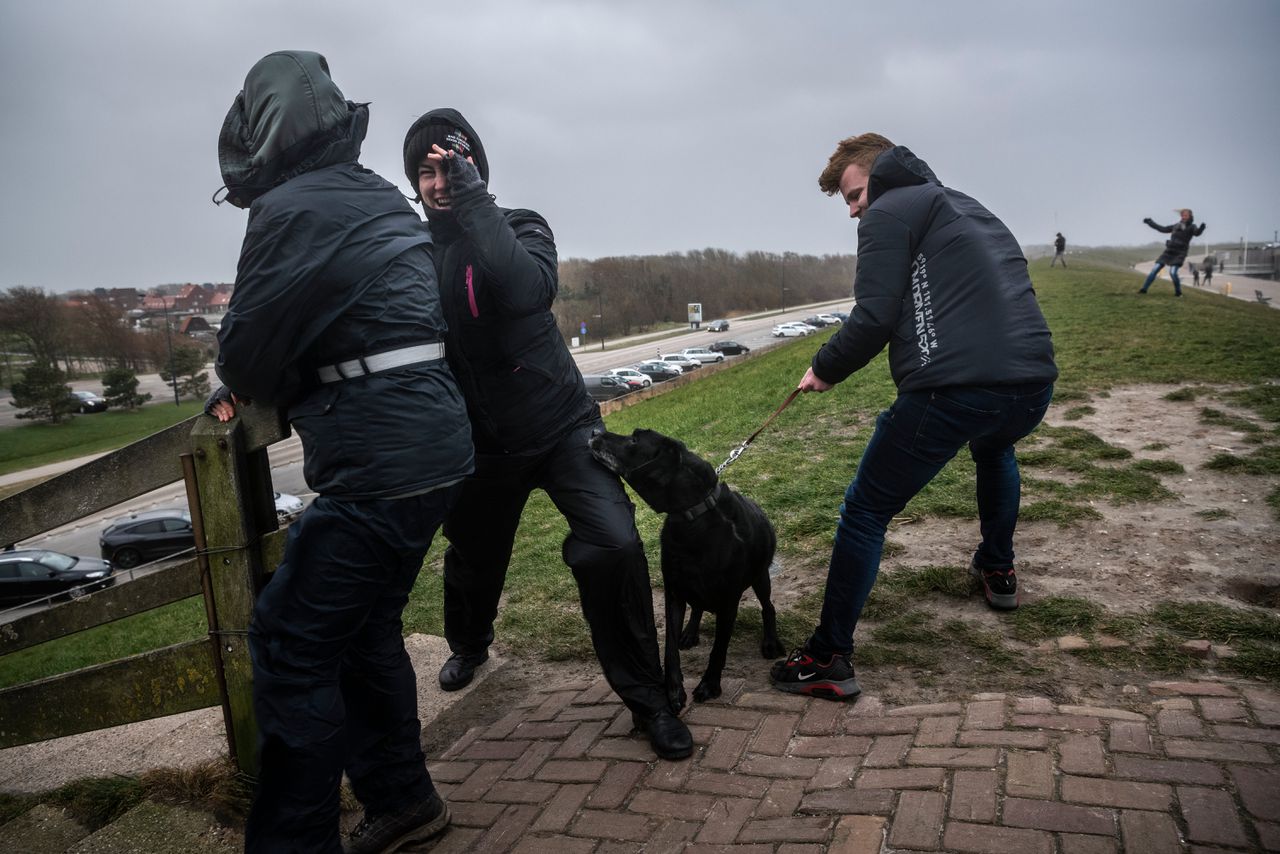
603 549
333 688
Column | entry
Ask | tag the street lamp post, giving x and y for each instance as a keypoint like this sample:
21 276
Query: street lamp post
168 338
600 303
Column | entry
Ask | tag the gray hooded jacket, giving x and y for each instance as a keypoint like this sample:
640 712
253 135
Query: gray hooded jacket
335 265
944 283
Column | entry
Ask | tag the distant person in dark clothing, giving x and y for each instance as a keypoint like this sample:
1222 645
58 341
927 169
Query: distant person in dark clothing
1059 247
336 317
943 283
531 418
1195 273
1208 265
1175 248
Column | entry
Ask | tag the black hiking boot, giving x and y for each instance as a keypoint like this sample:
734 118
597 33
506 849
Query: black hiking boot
387 832
458 671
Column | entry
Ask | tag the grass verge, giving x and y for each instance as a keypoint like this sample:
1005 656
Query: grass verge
34 445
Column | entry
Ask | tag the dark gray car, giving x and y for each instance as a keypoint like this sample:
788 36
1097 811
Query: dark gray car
27 574
147 536
604 386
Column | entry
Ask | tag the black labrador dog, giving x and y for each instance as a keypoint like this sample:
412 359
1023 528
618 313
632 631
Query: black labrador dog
715 544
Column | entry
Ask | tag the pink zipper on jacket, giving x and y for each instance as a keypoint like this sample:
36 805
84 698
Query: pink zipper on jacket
471 293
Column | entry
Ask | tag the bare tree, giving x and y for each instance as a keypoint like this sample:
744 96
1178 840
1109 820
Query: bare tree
38 321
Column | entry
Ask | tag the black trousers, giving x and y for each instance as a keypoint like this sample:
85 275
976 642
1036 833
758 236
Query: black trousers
333 688
603 550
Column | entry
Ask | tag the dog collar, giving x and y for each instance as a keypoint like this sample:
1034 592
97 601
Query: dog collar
702 506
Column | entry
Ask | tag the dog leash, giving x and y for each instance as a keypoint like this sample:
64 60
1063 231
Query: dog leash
737 452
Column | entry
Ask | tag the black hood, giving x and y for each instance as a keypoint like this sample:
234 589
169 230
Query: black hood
431 126
897 167
290 118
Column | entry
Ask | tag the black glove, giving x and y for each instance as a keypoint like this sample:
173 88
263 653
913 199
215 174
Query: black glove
222 394
462 175
1149 221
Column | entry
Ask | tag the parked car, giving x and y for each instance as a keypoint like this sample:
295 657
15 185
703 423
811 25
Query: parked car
634 378
27 574
718 326
791 330
288 507
816 321
659 371
729 348
702 355
685 363
605 387
147 536
87 401
843 315
831 319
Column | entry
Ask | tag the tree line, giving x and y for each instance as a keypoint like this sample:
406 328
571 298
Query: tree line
49 339
621 296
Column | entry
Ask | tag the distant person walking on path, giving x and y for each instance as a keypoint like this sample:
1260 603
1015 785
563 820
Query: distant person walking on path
1208 265
1175 248
944 284
1059 247
531 418
1195 273
336 316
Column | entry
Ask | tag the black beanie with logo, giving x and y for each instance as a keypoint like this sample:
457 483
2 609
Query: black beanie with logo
446 128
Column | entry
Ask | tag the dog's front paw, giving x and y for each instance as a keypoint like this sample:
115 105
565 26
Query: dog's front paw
706 690
677 698
689 638
772 648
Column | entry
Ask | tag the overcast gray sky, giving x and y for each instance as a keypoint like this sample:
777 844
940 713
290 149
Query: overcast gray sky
646 127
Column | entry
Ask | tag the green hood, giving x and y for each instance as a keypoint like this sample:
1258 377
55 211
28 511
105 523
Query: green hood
290 118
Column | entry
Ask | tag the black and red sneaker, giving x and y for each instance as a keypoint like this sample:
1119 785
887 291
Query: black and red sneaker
1000 586
802 673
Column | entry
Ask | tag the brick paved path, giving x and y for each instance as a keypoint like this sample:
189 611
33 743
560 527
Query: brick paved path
1194 769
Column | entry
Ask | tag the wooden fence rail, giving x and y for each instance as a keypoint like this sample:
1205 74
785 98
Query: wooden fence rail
229 493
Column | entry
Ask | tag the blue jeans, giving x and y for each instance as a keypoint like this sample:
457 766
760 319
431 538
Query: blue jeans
1173 274
333 688
914 438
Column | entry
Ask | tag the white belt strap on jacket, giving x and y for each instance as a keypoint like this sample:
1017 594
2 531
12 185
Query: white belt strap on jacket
379 362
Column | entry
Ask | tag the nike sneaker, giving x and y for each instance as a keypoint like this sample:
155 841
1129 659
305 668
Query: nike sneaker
803 673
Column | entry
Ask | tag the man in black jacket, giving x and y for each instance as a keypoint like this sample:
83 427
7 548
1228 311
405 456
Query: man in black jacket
1059 248
1175 248
336 316
531 418
944 284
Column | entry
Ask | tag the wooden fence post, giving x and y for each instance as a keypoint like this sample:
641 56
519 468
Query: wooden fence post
237 507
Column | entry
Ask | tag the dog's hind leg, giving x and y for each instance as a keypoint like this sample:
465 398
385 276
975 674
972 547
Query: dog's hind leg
770 645
674 676
692 632
709 687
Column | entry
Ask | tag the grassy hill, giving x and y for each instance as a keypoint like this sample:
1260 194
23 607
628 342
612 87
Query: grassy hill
1105 336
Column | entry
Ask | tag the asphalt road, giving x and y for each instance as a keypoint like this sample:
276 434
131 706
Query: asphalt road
81 537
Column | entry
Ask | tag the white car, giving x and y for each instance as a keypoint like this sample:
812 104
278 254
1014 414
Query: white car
830 319
686 364
288 507
631 375
702 355
792 330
